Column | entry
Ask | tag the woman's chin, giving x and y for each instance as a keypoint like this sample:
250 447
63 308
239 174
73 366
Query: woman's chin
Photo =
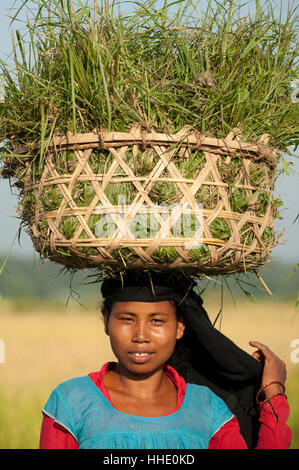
137 367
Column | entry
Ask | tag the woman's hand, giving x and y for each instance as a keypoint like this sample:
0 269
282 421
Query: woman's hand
274 369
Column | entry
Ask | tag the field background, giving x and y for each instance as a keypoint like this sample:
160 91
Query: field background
47 342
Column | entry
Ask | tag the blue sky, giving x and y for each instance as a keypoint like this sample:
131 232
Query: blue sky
287 186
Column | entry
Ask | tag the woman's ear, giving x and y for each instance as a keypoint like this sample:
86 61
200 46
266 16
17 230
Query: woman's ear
180 327
106 320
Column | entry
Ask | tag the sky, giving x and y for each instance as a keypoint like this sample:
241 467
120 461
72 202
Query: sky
287 187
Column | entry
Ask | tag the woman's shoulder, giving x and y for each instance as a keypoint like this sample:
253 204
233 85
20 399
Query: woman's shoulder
64 401
210 406
207 396
71 390
70 384
68 396
200 389
81 381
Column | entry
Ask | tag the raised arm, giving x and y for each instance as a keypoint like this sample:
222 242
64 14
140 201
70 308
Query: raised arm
274 433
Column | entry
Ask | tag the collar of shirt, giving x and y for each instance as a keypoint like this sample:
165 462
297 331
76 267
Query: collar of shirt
179 382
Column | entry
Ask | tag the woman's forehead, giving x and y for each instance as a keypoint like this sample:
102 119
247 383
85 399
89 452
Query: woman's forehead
140 308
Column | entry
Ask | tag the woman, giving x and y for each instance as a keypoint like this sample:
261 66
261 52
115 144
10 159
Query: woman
178 382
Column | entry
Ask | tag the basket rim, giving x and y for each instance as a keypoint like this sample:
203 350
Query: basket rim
232 144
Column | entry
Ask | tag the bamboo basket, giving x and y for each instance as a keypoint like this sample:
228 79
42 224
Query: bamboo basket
244 249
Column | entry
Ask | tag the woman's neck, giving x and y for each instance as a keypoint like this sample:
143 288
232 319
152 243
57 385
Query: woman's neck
141 386
147 396
138 386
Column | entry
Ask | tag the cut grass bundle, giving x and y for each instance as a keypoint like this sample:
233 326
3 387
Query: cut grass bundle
88 70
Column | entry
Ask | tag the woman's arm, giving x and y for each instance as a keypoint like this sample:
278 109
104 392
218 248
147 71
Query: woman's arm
274 412
273 434
228 437
55 436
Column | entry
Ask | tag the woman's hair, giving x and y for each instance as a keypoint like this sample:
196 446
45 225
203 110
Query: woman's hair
107 306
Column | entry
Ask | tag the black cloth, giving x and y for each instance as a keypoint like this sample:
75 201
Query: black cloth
204 356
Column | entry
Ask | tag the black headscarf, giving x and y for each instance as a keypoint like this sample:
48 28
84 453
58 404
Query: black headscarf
204 356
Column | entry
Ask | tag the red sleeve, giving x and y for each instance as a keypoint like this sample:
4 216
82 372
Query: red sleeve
55 436
273 434
228 437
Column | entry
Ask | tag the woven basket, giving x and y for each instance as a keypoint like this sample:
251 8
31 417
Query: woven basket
244 248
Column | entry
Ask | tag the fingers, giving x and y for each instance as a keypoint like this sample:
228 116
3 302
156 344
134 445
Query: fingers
274 369
258 356
263 350
260 346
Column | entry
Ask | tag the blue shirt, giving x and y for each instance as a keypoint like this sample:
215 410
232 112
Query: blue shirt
80 407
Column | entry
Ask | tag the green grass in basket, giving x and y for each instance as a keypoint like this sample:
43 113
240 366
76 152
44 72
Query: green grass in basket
222 71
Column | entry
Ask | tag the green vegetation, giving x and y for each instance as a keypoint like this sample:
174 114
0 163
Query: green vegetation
213 70
293 394
77 69
21 420
27 282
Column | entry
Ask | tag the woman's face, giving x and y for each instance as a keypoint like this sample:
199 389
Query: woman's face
143 334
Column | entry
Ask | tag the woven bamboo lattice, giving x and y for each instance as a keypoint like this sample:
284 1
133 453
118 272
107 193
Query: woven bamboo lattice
145 163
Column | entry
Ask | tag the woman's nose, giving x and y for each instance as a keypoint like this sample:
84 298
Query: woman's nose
140 333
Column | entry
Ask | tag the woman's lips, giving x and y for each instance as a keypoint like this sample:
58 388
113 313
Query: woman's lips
140 357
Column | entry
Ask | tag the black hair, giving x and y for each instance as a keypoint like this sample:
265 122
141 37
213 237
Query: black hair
107 306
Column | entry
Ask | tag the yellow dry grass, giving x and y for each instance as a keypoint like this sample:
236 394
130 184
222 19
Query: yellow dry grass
47 346
44 348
